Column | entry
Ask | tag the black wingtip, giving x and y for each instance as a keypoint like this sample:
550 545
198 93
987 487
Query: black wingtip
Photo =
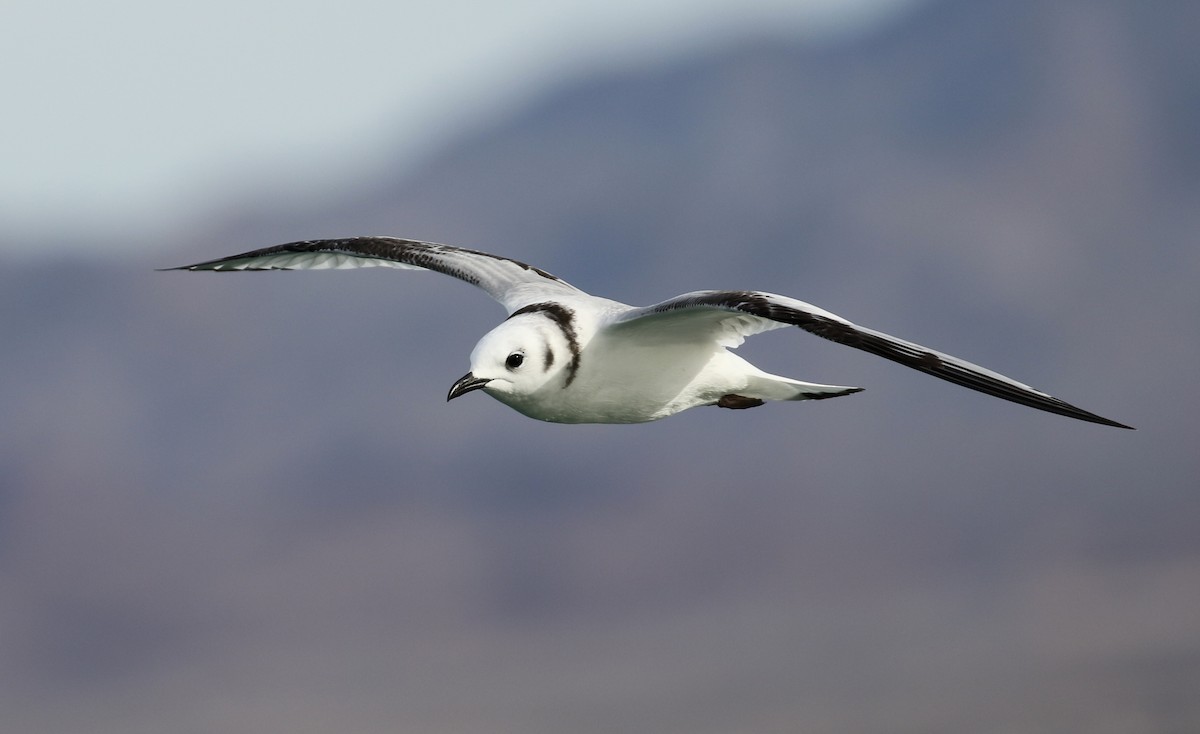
1070 411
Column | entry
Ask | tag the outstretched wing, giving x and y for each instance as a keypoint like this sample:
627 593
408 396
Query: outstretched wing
512 283
730 316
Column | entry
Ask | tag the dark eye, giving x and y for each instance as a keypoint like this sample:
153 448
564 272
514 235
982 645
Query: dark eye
514 360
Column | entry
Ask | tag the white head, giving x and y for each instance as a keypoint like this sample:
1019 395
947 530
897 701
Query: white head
534 349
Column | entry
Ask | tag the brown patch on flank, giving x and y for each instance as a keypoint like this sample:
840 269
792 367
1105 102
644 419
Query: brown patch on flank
738 402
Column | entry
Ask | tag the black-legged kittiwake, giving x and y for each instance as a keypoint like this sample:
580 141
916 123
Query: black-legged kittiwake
566 356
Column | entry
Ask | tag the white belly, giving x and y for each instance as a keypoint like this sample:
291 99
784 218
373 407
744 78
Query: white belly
636 386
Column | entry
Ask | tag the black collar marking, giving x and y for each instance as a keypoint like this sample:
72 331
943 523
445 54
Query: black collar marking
564 318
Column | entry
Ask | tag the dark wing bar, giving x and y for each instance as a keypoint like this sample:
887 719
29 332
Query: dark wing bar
504 279
834 328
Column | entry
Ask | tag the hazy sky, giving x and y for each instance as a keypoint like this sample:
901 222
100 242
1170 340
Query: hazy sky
122 114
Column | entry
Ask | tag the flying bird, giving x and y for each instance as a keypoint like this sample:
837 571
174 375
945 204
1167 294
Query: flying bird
566 356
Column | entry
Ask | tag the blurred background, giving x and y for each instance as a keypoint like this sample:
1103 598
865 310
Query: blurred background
240 503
